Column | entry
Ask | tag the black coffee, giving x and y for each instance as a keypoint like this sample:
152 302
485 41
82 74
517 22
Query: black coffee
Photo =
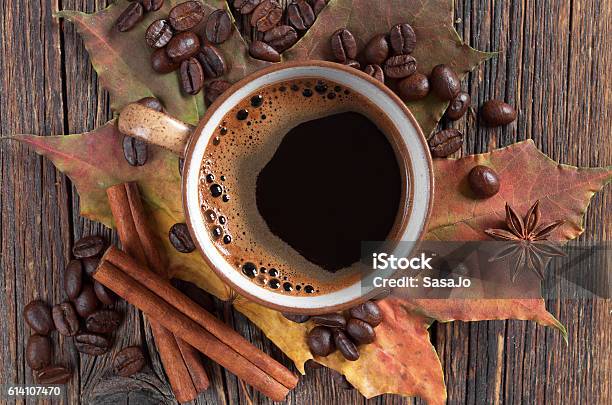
332 183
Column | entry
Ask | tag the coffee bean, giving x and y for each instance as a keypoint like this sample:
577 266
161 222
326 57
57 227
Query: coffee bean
246 6
159 34
129 361
218 27
87 302
330 320
73 279
318 6
300 15
296 318
376 51
152 103
53 375
65 319
444 82
361 332
132 15
343 45
399 66
340 381
414 87
214 89
103 321
368 312
320 341
445 143
39 352
458 106
90 264
376 72
403 39
344 344
106 296
92 343
161 62
191 75
134 151
183 46
212 61
266 15
152 5
352 63
484 182
496 113
186 16
37 314
195 293
263 51
281 38
181 239
88 246
312 365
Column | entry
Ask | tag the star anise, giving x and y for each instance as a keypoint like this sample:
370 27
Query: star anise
526 241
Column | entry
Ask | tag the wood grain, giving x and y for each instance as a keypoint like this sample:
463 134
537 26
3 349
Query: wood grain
552 65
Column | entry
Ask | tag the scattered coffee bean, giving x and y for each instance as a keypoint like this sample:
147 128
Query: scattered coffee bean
376 72
152 5
368 312
212 61
334 320
318 6
281 38
352 63
414 87
159 34
187 15
263 51
195 293
181 239
87 302
320 341
218 26
458 106
152 103
343 45
132 15
246 6
399 66
90 264
192 76
92 344
53 375
73 279
65 319
484 182
341 381
213 89
183 46
445 143
376 51
39 352
89 246
300 15
496 113
444 82
266 15
103 321
129 361
161 62
403 39
134 151
344 344
106 296
37 314
296 318
361 332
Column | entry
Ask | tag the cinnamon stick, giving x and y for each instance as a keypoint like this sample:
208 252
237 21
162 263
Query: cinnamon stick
180 324
198 314
183 366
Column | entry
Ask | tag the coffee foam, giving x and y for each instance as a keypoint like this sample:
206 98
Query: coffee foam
235 156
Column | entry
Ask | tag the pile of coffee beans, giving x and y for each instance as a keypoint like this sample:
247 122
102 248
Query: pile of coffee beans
82 317
343 332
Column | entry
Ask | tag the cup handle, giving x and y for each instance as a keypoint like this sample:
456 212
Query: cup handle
154 127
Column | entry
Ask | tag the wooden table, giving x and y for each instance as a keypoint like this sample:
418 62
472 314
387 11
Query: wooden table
553 67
